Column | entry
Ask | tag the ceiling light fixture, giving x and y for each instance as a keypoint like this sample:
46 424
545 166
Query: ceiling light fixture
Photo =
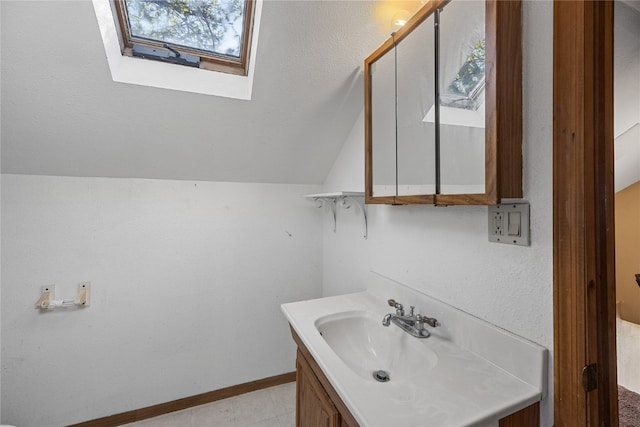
400 18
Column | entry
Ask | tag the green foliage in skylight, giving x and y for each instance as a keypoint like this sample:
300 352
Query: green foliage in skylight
207 25
471 73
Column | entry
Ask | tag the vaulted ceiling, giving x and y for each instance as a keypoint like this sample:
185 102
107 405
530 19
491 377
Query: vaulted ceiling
63 115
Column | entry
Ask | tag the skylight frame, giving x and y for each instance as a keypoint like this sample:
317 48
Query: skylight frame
208 60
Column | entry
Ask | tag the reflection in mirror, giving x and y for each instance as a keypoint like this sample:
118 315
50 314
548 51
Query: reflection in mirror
416 94
383 120
437 130
462 97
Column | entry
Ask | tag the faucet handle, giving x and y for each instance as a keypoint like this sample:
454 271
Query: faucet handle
428 320
399 308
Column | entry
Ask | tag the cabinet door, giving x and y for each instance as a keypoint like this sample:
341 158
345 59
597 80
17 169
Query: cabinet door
462 143
314 408
383 118
416 96
462 97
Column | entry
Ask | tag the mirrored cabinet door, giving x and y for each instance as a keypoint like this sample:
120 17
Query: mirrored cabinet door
462 97
443 122
415 73
383 126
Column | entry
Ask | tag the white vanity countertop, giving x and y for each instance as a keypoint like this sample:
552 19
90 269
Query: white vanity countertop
482 374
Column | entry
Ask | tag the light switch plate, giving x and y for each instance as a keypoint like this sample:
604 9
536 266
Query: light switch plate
509 223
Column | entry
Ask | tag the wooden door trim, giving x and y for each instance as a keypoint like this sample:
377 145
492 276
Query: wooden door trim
583 233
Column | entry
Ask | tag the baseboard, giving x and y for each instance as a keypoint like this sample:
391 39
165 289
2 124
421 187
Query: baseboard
187 402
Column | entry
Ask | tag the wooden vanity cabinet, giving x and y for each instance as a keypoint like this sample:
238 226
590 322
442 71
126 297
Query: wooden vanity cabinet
317 402
313 404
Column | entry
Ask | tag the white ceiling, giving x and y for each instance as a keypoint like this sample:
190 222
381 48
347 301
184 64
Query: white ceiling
63 115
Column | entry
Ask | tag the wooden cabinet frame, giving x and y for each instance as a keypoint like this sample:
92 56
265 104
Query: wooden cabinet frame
313 405
346 419
503 97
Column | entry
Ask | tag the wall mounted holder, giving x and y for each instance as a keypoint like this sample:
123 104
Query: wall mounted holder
47 300
343 198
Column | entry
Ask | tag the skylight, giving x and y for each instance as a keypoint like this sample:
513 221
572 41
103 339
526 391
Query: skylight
462 101
211 34
465 88
235 81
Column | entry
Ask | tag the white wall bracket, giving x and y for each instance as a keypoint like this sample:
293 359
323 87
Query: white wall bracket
48 301
345 199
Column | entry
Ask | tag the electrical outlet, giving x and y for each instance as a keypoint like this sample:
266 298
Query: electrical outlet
496 226
509 223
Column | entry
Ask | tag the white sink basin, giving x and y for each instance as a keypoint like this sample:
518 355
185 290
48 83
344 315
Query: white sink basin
365 346
467 373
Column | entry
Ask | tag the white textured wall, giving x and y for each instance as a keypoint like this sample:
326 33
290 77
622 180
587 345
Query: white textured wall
444 251
187 279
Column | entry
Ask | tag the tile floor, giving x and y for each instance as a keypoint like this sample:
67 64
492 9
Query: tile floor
270 407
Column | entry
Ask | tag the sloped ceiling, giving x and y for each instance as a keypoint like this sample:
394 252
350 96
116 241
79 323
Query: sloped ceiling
63 115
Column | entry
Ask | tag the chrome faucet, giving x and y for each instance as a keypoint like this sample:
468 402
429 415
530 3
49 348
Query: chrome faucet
413 324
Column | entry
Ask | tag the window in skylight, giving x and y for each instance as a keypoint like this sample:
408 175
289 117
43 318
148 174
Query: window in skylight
209 34
467 85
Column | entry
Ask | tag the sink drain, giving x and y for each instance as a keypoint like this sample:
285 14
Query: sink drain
381 376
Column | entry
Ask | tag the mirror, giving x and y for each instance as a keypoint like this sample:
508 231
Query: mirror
444 109
416 93
383 121
462 101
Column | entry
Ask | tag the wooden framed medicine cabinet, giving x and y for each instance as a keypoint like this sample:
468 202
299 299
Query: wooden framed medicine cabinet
443 107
